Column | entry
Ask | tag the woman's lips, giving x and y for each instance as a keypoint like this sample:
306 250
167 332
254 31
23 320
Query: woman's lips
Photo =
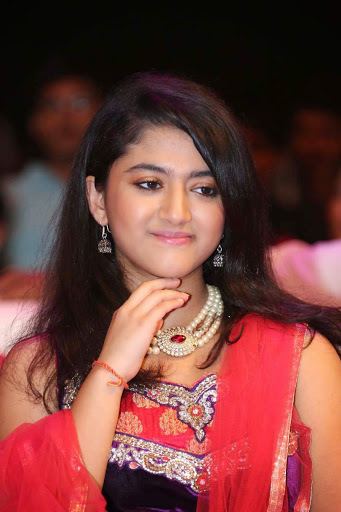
176 238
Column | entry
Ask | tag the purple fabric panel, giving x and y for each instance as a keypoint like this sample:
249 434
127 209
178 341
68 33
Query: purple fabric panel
128 490
293 479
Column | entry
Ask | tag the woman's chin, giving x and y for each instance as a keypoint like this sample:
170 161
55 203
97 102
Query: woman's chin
159 269
174 271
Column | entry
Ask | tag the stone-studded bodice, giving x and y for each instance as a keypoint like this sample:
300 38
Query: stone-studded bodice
157 458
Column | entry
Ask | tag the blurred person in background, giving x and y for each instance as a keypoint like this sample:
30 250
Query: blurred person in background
265 151
312 272
3 229
10 154
301 182
333 209
63 105
10 159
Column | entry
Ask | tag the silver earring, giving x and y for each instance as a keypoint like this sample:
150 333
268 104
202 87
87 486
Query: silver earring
104 245
218 259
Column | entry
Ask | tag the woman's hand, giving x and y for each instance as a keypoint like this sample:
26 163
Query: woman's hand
134 324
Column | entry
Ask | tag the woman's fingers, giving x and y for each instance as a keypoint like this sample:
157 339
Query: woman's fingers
156 297
146 288
164 307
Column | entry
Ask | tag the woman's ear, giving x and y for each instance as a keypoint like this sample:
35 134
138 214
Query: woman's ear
96 201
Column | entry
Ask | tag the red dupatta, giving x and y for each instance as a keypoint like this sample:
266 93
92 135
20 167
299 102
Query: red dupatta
250 432
41 467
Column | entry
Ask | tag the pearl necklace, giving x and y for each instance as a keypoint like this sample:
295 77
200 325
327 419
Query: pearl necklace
181 341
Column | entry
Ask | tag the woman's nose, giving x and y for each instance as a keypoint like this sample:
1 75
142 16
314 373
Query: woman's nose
175 206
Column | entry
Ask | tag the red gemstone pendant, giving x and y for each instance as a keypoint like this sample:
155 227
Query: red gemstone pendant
178 338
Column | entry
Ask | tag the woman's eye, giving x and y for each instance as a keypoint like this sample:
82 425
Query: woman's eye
149 185
207 191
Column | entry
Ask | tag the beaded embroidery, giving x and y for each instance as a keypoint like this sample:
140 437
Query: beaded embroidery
70 391
160 460
194 407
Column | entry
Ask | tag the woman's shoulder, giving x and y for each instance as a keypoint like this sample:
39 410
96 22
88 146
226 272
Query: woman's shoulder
18 404
320 353
318 400
24 350
18 365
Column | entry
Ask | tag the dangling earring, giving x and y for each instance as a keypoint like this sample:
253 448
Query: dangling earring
104 245
218 259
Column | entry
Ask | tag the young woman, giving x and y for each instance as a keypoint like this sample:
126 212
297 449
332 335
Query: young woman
160 280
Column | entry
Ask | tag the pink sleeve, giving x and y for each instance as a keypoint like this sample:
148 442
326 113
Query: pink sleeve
41 469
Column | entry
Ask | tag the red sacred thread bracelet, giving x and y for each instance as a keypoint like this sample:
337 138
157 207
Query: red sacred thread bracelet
119 383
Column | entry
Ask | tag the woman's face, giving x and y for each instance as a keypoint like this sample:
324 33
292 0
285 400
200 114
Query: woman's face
162 205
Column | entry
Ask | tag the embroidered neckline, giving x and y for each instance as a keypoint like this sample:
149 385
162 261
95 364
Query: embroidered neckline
166 383
157 459
194 406
72 386
190 387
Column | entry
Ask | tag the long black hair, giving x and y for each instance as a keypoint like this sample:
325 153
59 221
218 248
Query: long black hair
83 287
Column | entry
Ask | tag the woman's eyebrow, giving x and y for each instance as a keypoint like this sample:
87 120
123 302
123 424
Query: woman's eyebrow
166 170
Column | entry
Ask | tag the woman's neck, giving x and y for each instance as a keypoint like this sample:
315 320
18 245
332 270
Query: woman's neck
193 284
196 287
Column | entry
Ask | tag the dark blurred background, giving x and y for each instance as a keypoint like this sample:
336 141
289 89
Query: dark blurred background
262 58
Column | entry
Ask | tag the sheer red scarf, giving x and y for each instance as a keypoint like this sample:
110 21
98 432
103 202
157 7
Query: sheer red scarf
250 433
41 469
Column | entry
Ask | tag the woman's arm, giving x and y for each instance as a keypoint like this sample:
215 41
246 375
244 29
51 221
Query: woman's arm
96 407
36 447
318 401
95 410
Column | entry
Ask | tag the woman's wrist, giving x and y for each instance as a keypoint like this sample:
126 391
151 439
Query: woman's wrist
117 362
115 378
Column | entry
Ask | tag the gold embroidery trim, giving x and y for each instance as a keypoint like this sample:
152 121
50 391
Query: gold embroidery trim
278 479
157 459
194 407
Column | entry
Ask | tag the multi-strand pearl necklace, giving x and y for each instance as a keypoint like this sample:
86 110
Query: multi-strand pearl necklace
181 341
